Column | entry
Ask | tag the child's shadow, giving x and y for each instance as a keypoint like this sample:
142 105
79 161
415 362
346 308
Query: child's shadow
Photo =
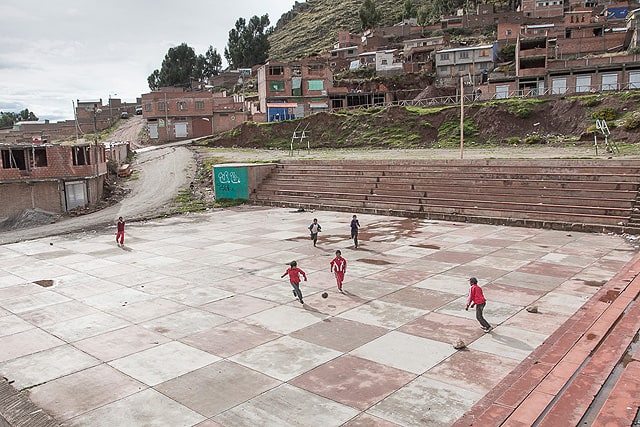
313 310
126 248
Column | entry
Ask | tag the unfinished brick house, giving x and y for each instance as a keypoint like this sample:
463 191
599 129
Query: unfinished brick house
584 50
52 177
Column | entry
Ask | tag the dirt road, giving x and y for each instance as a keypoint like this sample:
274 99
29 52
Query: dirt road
162 172
132 130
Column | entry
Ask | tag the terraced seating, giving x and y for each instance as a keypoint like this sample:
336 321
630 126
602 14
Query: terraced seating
583 195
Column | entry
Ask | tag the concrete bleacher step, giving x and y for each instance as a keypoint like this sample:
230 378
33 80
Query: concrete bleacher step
559 194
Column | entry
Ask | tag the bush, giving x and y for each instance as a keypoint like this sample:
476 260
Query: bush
592 101
533 138
521 111
630 120
606 113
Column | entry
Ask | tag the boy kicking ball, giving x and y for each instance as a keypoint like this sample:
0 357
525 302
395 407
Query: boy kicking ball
294 278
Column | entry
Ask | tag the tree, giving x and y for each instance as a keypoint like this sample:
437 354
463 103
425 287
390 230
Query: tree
209 64
423 17
179 66
248 44
369 15
409 10
213 63
8 119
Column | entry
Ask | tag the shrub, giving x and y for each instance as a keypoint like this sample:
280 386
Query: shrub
606 113
533 138
630 120
592 100
521 111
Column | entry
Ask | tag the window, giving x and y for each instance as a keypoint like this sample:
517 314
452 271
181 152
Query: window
39 157
315 68
464 55
444 56
13 159
276 85
384 62
80 155
276 70
462 68
315 85
162 106
484 53
182 105
296 70
508 32
147 107
199 105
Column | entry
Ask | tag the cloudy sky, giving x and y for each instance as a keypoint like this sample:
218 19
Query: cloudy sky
54 52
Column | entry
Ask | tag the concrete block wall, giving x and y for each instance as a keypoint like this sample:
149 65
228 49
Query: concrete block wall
16 197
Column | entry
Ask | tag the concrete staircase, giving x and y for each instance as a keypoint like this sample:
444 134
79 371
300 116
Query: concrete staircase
579 195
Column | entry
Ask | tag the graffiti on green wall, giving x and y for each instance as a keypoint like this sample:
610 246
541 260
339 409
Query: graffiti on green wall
231 182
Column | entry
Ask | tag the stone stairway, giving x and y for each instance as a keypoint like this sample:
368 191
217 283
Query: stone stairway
580 195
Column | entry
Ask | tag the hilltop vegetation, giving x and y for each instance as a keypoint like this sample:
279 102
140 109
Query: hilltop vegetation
311 28
514 121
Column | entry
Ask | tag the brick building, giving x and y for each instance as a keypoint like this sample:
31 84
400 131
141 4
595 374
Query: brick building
473 61
52 177
292 90
174 114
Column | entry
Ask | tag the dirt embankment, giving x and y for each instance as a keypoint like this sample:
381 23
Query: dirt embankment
504 122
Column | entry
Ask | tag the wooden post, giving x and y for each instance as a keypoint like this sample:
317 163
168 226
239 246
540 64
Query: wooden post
461 117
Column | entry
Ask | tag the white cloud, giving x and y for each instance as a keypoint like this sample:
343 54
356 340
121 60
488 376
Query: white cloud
55 52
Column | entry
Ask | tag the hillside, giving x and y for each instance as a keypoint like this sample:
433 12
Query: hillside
510 122
312 27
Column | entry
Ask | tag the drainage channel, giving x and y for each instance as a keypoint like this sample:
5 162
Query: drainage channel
606 388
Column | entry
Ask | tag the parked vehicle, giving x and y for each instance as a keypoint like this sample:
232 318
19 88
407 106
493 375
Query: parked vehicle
124 115
138 109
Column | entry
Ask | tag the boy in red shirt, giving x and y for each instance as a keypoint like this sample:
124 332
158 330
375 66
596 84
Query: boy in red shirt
294 277
338 266
120 233
476 297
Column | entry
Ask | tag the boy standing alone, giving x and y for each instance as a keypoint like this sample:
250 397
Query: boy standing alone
476 297
120 233
338 266
355 225
315 228
294 278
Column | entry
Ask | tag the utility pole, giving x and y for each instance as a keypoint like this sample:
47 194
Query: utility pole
461 117
96 111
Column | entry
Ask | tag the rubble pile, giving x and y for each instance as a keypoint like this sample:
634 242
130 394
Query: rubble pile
29 218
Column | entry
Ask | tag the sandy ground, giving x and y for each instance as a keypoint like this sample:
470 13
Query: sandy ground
516 152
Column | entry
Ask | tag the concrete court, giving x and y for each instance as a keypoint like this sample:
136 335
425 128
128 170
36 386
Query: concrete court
191 325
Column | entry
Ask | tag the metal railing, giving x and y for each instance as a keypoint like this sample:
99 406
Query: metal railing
521 93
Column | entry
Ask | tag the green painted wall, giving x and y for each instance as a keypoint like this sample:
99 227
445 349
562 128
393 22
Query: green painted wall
231 182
